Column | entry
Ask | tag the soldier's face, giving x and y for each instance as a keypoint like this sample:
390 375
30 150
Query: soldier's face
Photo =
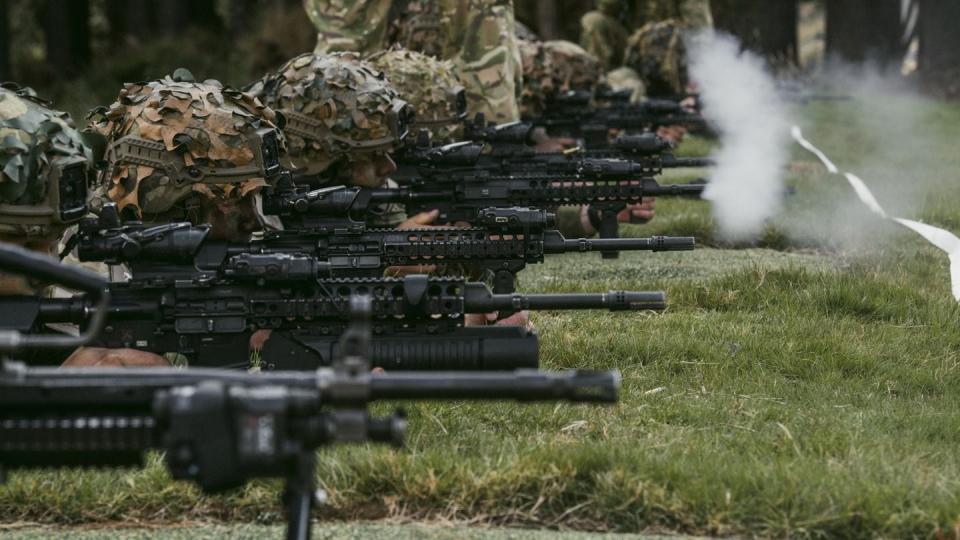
10 284
367 170
230 220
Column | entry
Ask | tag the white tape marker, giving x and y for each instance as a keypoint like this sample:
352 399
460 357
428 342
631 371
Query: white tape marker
865 195
942 239
945 240
798 136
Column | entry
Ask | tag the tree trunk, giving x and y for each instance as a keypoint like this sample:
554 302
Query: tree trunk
67 36
547 20
5 74
240 16
865 30
939 60
766 27
175 16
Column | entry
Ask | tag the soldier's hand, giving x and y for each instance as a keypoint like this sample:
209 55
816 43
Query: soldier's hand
555 144
520 318
644 211
419 221
100 357
673 134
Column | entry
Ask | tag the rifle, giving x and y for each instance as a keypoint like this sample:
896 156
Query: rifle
340 247
640 155
491 200
220 428
572 114
418 322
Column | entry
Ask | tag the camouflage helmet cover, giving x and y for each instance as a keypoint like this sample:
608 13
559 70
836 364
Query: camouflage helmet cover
335 105
172 138
552 67
44 166
658 54
431 86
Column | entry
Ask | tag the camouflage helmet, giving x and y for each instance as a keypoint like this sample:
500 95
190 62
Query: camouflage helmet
431 86
552 67
335 105
45 166
658 54
173 139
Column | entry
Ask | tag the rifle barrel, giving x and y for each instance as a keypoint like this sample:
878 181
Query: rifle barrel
520 385
612 301
654 243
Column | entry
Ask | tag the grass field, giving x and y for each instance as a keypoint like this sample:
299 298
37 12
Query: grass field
805 386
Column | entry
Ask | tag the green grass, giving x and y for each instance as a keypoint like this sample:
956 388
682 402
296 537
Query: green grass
326 531
805 386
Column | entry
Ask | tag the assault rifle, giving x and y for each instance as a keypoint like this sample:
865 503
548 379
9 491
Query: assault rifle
643 155
221 428
418 322
572 114
341 247
490 199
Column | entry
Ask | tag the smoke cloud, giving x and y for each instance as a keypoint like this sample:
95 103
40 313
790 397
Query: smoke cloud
741 101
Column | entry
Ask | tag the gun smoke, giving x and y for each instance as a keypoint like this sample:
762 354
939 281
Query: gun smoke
741 101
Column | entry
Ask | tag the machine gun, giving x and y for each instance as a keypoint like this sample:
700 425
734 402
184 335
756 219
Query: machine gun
221 428
572 114
338 247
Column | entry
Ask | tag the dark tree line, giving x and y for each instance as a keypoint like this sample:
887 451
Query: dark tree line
857 31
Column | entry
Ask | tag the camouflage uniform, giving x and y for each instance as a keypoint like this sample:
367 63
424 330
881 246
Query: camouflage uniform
173 140
658 54
45 168
551 67
477 35
603 35
431 86
337 108
690 13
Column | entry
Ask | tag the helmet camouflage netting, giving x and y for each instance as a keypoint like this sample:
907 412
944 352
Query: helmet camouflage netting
431 86
552 67
44 163
173 138
335 105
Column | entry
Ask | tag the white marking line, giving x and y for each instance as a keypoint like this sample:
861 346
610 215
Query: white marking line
798 136
942 239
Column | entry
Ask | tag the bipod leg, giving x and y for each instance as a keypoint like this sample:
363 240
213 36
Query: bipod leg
299 494
504 282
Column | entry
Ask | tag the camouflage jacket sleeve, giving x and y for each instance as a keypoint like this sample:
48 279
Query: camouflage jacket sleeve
569 223
349 25
483 46
603 37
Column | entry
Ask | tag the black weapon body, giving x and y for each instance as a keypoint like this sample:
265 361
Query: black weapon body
630 157
220 428
339 247
573 114
418 322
